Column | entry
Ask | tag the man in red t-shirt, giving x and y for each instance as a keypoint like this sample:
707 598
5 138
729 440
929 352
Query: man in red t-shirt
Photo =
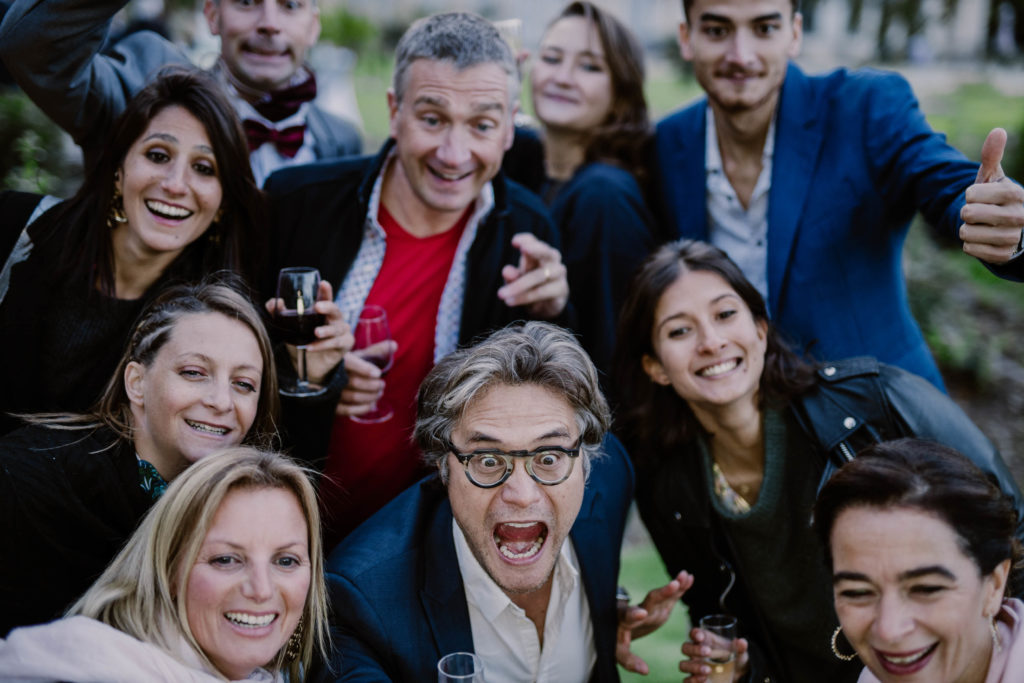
429 231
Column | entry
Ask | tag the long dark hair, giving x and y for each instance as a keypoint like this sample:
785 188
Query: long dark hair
653 417
935 479
85 252
623 137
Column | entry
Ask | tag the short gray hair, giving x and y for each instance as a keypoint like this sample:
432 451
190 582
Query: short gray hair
535 353
464 39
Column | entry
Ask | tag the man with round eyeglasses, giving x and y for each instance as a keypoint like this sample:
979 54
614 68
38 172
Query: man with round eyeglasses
512 550
547 465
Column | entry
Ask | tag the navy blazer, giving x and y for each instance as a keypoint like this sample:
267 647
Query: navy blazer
397 597
854 160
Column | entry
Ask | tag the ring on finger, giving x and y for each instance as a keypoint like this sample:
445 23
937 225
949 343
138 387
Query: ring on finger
547 273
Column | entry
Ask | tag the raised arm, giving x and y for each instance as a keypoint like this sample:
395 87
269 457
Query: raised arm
52 48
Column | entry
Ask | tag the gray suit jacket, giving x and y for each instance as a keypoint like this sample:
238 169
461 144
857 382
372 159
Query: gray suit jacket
56 51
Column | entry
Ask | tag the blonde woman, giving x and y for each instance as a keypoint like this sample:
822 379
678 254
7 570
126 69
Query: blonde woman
222 581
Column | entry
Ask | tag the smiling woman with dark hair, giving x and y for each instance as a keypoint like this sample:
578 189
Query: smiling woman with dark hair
171 198
923 552
733 435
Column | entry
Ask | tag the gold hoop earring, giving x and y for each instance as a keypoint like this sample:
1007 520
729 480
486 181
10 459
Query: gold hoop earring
116 215
835 647
294 646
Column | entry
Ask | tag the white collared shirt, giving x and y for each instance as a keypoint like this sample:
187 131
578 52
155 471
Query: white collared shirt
740 233
506 640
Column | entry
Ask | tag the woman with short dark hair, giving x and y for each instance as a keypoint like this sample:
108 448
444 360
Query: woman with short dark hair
733 435
924 553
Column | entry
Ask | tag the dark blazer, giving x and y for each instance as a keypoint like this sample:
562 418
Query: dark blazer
607 231
318 214
397 596
854 160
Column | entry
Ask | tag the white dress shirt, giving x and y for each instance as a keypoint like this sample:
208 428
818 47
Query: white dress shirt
506 640
740 233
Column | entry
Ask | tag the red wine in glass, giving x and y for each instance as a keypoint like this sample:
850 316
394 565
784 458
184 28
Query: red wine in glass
373 344
295 321
296 329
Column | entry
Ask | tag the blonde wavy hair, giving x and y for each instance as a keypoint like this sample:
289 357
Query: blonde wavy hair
136 592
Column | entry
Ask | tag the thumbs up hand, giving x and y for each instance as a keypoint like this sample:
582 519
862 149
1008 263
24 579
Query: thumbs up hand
993 217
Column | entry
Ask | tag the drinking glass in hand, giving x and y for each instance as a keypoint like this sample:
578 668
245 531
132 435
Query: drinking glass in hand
720 630
373 344
464 667
295 321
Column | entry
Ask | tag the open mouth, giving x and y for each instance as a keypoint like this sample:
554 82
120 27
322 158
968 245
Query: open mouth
906 663
246 620
448 177
207 428
168 211
520 541
719 368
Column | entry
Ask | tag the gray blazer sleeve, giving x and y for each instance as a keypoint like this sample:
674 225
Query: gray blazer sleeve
52 48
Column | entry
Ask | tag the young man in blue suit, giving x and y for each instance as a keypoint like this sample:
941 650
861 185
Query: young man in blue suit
512 550
810 182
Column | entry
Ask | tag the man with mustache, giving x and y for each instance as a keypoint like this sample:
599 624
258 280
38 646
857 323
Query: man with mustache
55 52
809 183
430 231
511 549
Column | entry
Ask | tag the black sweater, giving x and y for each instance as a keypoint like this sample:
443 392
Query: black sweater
67 505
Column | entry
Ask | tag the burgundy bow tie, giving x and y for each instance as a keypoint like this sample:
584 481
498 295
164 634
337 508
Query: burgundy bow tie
287 141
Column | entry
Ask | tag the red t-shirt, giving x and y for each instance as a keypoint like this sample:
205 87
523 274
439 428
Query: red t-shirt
369 464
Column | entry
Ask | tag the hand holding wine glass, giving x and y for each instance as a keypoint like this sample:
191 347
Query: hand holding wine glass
715 654
373 345
295 320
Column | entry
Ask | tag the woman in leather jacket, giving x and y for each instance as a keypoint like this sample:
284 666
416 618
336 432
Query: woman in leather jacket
733 435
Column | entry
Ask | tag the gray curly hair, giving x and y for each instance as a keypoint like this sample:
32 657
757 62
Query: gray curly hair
536 353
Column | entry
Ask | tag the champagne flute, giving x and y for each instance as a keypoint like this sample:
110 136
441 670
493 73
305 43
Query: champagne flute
461 667
721 630
373 344
295 321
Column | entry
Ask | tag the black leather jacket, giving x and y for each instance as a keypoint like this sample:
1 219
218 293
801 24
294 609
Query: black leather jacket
855 402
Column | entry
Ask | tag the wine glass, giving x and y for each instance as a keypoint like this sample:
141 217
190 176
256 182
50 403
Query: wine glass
295 321
373 344
721 630
464 667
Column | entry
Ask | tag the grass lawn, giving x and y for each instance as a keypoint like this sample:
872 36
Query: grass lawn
642 570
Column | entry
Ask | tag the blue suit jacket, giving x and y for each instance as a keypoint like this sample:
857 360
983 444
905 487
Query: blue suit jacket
397 597
854 160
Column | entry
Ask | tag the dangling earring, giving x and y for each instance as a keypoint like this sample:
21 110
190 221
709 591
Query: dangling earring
294 646
116 213
213 232
996 645
835 647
